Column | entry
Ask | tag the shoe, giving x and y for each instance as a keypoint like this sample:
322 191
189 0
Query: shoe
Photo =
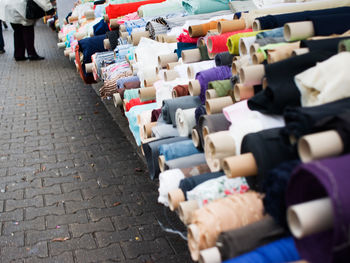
2 51
37 57
21 58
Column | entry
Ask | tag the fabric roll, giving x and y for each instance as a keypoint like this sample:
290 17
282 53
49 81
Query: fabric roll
217 73
185 121
239 241
329 178
100 28
131 94
323 44
178 149
151 153
136 101
91 45
155 29
184 46
301 121
164 89
221 87
181 90
170 106
185 162
132 85
272 47
195 170
214 189
344 45
169 6
200 110
113 38
122 81
218 42
273 33
246 42
204 53
269 40
326 25
204 6
269 150
233 41
164 131
155 114
223 59
281 90
168 181
316 88
194 68
282 250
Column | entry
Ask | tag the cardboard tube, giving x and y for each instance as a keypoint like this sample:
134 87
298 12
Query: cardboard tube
170 39
71 56
129 39
161 162
175 197
80 35
106 44
163 60
147 129
300 51
113 23
72 19
140 12
191 55
252 74
243 48
122 28
240 166
194 87
172 65
243 92
193 240
205 131
230 26
89 14
211 94
124 35
216 105
136 36
310 217
258 58
210 255
196 31
170 75
298 30
313 147
117 100
61 45
190 72
256 25
186 209
88 67
254 48
160 37
195 138
147 94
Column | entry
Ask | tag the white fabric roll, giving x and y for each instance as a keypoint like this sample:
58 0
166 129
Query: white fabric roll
164 89
248 41
182 70
200 66
185 121
168 180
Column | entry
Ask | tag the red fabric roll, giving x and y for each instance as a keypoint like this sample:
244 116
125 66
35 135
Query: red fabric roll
185 38
135 102
219 41
115 11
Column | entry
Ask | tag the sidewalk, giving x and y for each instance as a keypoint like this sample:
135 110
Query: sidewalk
72 187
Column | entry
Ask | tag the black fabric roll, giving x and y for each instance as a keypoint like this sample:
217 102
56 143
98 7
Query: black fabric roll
282 91
113 37
269 150
257 88
200 110
300 121
273 21
322 44
223 59
326 25
244 239
151 153
170 106
187 184
274 187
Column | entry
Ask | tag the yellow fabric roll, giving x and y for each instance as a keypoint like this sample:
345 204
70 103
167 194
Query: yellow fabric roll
233 41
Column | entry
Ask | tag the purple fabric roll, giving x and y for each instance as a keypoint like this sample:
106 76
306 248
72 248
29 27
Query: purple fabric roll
205 76
319 179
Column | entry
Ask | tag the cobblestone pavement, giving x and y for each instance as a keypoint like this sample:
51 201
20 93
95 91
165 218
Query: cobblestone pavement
71 185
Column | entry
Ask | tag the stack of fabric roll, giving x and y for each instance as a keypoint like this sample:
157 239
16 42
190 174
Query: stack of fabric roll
242 112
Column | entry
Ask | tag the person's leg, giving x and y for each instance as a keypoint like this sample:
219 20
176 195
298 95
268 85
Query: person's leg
28 35
19 42
2 44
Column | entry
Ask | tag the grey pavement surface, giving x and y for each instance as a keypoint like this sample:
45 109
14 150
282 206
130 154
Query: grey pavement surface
72 188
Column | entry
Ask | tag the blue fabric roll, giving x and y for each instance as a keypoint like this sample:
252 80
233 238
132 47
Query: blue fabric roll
280 251
200 110
178 149
91 45
273 33
120 82
100 28
184 46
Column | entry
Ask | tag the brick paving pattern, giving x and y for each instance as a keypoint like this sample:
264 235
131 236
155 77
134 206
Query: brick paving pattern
69 188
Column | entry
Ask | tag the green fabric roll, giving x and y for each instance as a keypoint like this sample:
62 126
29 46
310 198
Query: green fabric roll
222 87
131 94
204 53
204 6
344 45
267 47
167 7
233 41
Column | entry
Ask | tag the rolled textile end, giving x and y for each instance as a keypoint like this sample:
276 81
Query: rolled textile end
161 162
106 18
258 58
298 31
304 219
113 23
194 87
122 28
196 31
240 166
186 209
160 37
195 138
190 72
136 36
191 55
61 45
243 92
170 38
89 14
312 147
254 48
216 105
252 75
147 129
300 51
211 94
88 67
80 35
175 197
230 26
146 94
170 75
71 56
205 131
106 44
140 12
256 25
193 236
124 35
72 19
210 255
117 100
172 65
163 60
244 50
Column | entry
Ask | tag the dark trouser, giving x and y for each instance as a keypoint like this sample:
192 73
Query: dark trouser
24 40
1 37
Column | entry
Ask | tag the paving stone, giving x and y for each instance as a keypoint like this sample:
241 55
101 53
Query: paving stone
33 212
103 225
84 242
66 257
73 206
16 215
17 226
11 253
54 189
134 249
78 217
15 240
113 252
14 204
34 236
71 196
106 238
